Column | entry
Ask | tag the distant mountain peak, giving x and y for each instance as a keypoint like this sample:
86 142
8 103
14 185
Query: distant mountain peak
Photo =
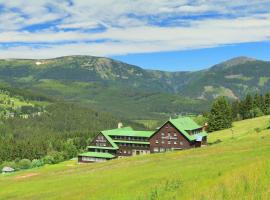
237 61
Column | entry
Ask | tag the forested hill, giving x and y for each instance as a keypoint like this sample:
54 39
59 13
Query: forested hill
112 86
34 126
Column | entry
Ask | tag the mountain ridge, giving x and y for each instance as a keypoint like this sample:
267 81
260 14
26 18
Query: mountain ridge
230 62
113 85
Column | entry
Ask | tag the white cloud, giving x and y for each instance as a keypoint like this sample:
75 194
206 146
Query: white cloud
130 26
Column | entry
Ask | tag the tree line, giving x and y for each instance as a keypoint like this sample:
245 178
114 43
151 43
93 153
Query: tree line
57 135
223 112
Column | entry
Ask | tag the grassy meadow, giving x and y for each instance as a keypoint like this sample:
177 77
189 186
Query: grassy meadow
235 165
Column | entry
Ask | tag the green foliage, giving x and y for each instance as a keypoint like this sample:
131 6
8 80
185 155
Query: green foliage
230 170
11 164
37 163
251 106
63 128
220 115
48 159
112 86
24 164
201 119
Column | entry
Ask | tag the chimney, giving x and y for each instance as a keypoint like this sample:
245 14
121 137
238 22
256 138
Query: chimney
120 125
205 126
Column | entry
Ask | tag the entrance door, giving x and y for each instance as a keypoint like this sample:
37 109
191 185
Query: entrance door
137 152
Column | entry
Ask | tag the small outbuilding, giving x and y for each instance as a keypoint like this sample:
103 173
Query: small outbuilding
7 170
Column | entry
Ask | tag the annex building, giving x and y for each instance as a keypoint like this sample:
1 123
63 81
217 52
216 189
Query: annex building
175 134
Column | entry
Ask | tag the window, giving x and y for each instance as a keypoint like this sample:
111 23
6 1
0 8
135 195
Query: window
169 134
156 141
162 141
125 151
181 143
162 134
174 142
156 149
169 142
162 149
174 134
129 152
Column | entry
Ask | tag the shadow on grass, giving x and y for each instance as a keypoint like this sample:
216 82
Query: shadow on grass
215 142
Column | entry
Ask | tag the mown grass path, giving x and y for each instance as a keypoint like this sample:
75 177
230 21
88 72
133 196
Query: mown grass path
235 166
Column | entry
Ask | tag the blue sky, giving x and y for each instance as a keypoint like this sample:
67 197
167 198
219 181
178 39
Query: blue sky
192 60
172 35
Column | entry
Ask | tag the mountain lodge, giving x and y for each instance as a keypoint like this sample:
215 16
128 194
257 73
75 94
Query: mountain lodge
175 134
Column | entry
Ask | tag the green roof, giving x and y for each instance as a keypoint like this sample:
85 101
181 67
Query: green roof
101 147
127 131
97 155
110 140
184 124
131 142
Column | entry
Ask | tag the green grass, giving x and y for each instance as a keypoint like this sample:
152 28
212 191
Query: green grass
263 80
236 167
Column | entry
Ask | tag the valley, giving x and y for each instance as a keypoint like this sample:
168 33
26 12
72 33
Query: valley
112 86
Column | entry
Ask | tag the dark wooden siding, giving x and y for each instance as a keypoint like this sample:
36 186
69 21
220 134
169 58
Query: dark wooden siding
127 150
169 138
100 140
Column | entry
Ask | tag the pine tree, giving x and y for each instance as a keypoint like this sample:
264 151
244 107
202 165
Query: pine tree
221 115
235 110
267 103
246 107
258 106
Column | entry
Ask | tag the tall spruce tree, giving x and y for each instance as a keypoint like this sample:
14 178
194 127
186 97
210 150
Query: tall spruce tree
221 115
235 110
246 107
258 106
267 103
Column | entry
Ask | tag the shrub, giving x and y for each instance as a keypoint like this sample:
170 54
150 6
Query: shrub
8 164
48 160
24 164
53 157
37 163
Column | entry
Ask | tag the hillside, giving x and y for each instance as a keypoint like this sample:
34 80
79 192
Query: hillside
235 165
112 86
21 103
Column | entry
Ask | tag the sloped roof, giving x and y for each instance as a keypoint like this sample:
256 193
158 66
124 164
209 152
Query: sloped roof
184 124
110 140
97 155
127 131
